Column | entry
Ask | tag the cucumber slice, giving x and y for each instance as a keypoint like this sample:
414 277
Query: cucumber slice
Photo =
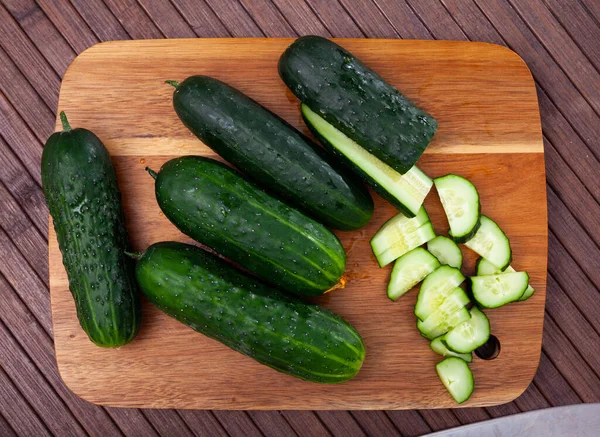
435 289
493 291
469 335
491 243
460 200
410 269
456 377
438 346
484 267
400 235
405 191
446 251
446 316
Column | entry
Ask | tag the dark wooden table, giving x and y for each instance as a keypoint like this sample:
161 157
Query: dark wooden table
559 40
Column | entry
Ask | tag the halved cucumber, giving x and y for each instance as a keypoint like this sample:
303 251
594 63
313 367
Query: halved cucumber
491 243
446 251
484 267
435 289
438 346
410 269
493 291
460 200
469 335
405 191
399 225
456 377
446 316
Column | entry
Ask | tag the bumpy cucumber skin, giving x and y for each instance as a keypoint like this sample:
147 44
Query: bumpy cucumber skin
357 101
216 206
285 333
270 151
363 175
80 186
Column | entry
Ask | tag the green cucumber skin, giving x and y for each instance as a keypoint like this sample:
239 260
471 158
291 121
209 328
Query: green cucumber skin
272 152
215 205
80 186
357 101
282 332
356 169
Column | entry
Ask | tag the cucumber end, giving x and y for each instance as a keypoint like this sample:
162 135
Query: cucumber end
173 83
65 122
151 173
134 255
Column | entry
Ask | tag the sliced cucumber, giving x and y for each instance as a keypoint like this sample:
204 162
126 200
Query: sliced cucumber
405 191
484 267
491 243
435 289
493 291
456 377
469 335
410 269
438 346
460 200
400 235
446 316
446 251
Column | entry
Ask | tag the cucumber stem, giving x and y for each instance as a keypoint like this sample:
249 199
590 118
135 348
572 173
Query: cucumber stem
134 255
172 82
152 172
65 123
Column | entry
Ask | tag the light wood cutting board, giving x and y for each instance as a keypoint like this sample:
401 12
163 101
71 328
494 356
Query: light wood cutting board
484 99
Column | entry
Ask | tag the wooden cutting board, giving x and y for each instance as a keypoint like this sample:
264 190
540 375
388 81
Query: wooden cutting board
484 99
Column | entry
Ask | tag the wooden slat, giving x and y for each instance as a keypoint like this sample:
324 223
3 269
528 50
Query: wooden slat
28 58
69 23
405 18
268 18
100 19
375 423
201 18
301 18
130 421
167 19
552 384
272 423
503 410
17 411
593 8
235 18
409 422
203 423
341 423
335 19
471 415
35 388
134 19
237 423
369 19
440 419
168 423
306 423
5 428
532 399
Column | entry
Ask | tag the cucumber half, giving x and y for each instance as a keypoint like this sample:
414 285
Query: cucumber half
405 191
438 346
493 291
460 200
484 268
410 269
491 243
469 335
435 289
456 377
446 316
446 251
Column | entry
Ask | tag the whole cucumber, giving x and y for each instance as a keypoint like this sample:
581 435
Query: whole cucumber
270 151
214 298
80 186
215 205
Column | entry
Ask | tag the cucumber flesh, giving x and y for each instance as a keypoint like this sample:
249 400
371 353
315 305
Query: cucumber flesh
493 291
410 269
456 377
484 267
445 317
438 346
399 244
446 251
400 224
460 200
491 243
435 289
469 335
405 191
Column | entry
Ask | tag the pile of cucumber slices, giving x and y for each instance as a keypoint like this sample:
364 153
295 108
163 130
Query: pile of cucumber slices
447 315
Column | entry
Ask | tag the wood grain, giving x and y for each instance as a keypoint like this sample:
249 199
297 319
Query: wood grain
484 98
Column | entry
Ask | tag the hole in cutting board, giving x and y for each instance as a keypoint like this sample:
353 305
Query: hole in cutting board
490 350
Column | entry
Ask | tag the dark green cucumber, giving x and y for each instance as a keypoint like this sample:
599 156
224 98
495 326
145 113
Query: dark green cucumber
356 101
216 206
80 185
285 333
273 153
